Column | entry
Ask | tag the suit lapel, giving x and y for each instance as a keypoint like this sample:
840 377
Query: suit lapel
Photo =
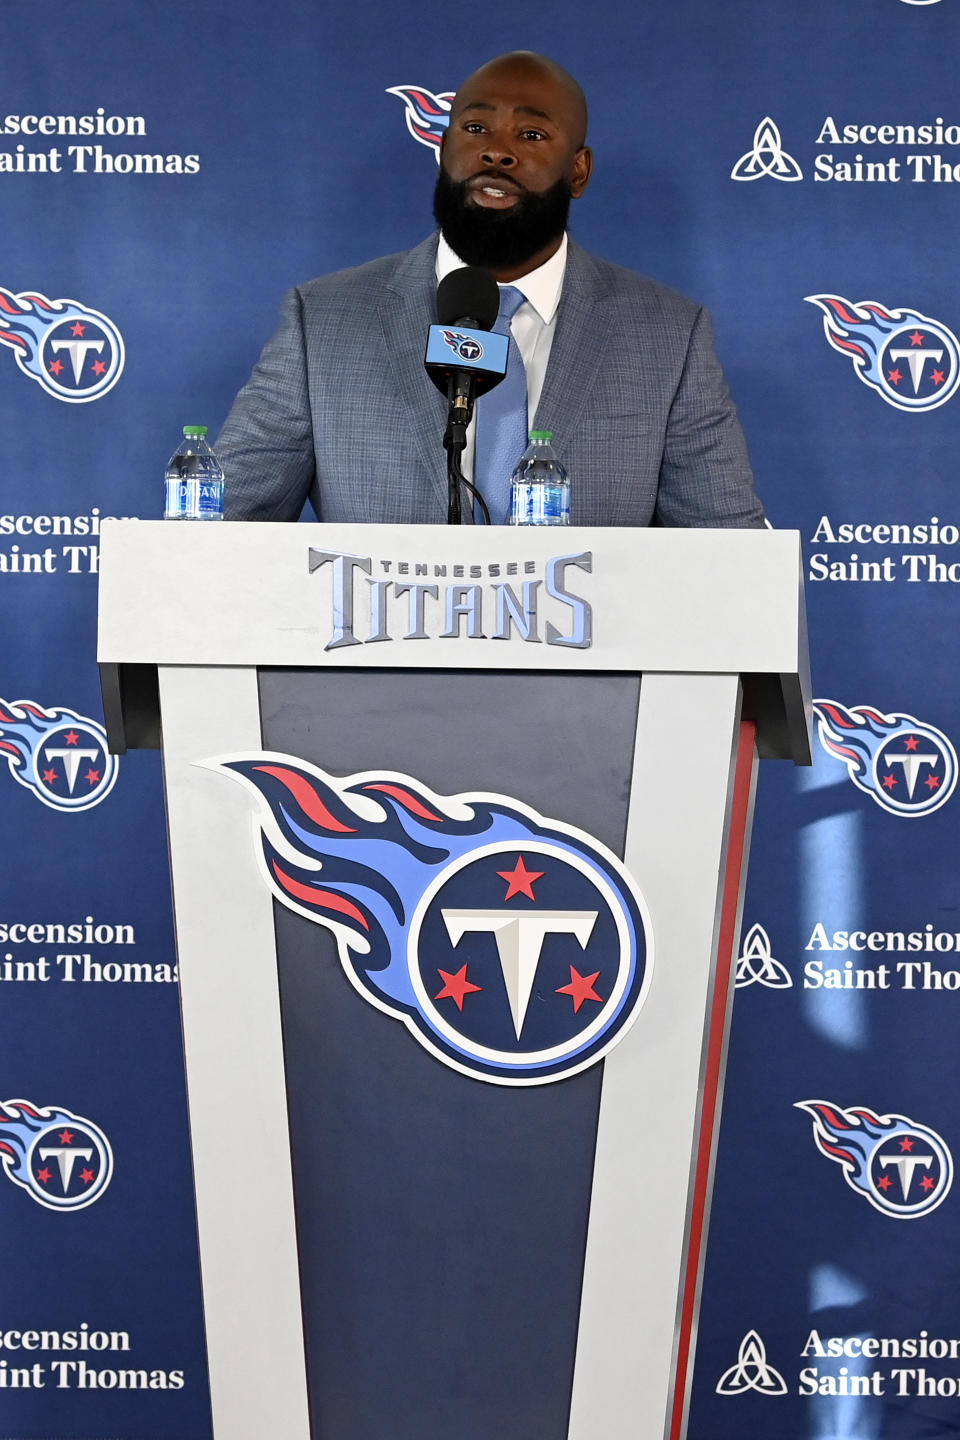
578 349
407 311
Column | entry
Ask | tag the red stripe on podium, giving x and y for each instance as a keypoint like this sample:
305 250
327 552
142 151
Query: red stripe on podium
736 846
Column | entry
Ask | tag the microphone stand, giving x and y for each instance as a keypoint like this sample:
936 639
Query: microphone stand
460 397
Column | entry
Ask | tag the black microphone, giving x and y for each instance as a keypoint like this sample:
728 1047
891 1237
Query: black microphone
465 356
468 297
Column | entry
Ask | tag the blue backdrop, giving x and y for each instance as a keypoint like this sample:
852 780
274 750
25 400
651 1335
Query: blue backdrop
168 172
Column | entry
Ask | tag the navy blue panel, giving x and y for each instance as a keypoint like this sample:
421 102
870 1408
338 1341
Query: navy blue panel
442 1220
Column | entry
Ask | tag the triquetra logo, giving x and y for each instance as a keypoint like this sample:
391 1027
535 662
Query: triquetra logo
767 157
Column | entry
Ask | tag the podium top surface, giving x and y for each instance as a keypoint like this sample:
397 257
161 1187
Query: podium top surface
436 597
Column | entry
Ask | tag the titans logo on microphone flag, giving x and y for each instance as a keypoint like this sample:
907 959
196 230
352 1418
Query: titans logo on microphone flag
463 345
74 352
514 948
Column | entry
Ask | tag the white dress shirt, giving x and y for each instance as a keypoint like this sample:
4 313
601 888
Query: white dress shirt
532 326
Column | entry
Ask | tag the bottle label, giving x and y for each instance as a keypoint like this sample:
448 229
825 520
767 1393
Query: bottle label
539 504
193 500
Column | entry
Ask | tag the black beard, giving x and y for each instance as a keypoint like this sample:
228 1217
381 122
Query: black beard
499 239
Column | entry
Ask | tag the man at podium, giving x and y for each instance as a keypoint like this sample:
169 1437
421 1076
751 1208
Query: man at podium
622 370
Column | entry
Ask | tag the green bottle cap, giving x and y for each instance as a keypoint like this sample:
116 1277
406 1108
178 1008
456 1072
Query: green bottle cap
541 435
194 429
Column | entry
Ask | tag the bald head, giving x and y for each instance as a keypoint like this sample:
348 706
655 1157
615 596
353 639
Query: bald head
519 65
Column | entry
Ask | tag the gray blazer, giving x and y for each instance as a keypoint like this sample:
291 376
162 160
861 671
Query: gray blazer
340 409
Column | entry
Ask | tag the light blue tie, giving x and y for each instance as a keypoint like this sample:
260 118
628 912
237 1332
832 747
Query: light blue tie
502 419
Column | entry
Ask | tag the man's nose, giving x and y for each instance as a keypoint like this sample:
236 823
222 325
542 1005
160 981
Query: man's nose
498 153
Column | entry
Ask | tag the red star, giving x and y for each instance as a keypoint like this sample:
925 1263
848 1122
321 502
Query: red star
916 338
71 737
43 1175
455 986
894 377
581 988
93 777
884 1183
77 329
889 781
932 782
911 742
55 367
520 879
49 776
86 1176
938 377
65 1137
928 1182
906 1144
98 367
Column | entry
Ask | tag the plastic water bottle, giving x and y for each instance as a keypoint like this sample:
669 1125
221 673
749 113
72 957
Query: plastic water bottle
539 488
194 488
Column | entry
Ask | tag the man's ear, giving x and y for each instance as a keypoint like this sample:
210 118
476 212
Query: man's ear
582 170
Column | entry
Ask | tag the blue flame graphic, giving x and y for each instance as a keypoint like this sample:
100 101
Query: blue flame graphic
852 1139
23 1129
861 737
363 857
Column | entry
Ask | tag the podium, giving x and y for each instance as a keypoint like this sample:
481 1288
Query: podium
458 824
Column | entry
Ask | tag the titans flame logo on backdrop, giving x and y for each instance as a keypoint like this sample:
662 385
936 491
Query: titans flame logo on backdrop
514 948
59 755
907 766
903 1169
428 115
62 1160
74 352
911 361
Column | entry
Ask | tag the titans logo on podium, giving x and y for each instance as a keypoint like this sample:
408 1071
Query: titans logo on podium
514 948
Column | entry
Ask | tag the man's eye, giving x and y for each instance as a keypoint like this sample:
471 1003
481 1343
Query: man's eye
473 127
533 135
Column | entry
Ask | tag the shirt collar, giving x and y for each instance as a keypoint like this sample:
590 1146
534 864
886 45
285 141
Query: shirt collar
541 287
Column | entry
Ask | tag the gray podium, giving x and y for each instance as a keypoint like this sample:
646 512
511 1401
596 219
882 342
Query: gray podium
458 826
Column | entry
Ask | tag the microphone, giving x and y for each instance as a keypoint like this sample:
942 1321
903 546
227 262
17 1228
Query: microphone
464 358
